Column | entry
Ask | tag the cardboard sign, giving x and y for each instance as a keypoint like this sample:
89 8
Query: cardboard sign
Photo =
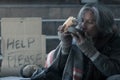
14 78
22 43
21 26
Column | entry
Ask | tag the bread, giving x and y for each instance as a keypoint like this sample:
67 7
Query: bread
69 22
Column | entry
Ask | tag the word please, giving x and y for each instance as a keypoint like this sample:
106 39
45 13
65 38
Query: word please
20 60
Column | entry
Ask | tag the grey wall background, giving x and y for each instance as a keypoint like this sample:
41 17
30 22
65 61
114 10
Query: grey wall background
52 15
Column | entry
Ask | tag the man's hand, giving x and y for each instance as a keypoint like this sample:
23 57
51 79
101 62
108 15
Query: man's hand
85 44
65 37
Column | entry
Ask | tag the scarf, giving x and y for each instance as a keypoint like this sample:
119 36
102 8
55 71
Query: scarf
73 69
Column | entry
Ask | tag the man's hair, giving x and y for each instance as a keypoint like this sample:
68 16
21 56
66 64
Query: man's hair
103 17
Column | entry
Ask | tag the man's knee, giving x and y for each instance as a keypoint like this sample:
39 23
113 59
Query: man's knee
114 77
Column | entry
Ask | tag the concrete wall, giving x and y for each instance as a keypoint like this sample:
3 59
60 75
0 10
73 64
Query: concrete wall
46 11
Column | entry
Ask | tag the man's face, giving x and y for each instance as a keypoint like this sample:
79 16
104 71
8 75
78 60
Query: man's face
88 24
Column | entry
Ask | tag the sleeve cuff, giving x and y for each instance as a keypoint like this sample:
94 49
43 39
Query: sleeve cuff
94 57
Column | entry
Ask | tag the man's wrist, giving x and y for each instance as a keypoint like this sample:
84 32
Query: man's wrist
65 50
88 49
